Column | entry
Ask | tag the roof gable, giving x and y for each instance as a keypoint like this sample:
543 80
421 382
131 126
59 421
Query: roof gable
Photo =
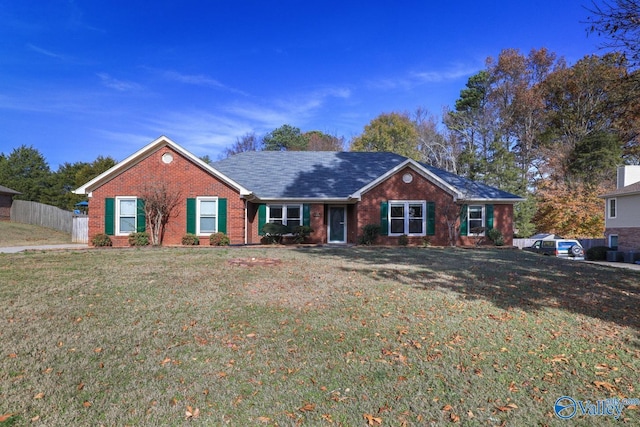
629 190
143 153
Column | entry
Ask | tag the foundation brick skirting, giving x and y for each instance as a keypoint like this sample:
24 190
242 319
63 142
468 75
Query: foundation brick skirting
628 238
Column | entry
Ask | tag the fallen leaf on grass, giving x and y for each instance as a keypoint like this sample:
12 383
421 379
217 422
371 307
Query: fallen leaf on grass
307 407
447 407
39 396
371 420
454 418
191 413
264 420
605 385
5 417
508 407
87 404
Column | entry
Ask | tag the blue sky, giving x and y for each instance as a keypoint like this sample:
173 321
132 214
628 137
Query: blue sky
80 79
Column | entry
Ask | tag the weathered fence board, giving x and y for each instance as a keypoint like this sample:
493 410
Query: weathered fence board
80 232
43 215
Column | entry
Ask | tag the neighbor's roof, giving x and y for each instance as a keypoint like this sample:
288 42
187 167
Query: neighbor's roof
272 175
624 191
7 190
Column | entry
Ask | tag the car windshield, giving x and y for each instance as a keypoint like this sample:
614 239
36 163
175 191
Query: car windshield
566 245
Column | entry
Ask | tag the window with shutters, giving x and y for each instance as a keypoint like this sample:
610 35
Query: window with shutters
407 217
126 214
207 215
289 215
476 220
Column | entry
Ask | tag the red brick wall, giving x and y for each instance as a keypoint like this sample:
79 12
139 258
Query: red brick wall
421 188
5 207
628 237
182 175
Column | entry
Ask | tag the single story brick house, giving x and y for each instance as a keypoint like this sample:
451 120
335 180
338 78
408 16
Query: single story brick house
6 199
336 193
622 222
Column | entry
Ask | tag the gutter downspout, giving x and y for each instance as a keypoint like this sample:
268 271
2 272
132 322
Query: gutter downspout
246 221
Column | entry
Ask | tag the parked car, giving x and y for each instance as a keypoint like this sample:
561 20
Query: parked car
563 248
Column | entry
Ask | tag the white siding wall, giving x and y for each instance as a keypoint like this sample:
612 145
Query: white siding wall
627 208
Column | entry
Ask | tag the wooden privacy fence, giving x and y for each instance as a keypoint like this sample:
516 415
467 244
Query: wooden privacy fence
586 243
80 232
34 213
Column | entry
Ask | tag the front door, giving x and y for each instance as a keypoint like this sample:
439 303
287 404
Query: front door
337 224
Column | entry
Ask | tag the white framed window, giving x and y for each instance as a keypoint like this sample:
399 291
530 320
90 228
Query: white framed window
475 219
407 217
207 215
126 215
612 207
289 215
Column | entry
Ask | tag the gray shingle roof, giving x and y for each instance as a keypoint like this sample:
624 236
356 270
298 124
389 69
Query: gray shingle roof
327 174
7 190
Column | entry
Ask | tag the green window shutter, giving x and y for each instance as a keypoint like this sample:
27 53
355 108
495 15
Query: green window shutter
306 215
384 218
141 226
262 218
463 221
222 216
488 209
191 216
431 218
109 216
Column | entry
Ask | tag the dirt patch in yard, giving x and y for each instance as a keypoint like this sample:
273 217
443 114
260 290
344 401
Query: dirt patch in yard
251 262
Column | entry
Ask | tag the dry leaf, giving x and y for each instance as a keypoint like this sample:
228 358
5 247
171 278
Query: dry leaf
307 407
454 418
371 420
97 350
13 356
191 413
507 407
39 396
5 417
80 386
447 407
264 420
86 404
605 385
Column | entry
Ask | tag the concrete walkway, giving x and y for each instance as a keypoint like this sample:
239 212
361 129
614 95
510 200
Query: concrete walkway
16 249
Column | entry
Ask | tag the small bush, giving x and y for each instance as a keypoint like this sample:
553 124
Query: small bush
495 236
139 239
403 240
274 231
190 239
101 240
219 239
426 242
597 253
301 232
370 233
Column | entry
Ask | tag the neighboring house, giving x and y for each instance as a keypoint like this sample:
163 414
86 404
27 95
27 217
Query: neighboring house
336 193
6 199
622 222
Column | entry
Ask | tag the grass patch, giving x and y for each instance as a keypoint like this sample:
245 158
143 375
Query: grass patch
17 234
346 337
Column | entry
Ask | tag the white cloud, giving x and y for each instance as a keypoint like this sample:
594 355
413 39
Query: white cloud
199 80
44 51
119 85
417 78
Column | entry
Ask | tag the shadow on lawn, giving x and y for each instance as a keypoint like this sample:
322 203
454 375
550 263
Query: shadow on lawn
507 278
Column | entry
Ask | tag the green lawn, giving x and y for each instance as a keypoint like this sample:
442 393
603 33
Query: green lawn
349 337
17 234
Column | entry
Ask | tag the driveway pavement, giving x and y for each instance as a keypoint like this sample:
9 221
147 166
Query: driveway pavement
16 249
626 265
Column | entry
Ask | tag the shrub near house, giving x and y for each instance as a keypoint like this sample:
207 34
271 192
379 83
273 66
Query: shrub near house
336 194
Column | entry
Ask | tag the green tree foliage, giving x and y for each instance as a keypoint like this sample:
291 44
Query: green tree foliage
392 132
91 170
61 185
286 137
595 156
25 170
